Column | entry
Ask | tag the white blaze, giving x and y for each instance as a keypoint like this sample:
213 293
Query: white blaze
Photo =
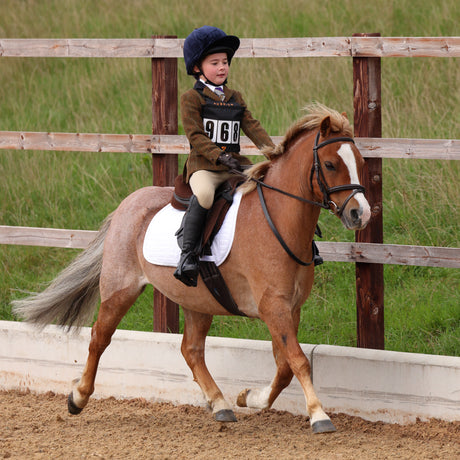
346 153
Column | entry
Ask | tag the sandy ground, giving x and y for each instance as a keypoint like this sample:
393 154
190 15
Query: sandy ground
39 427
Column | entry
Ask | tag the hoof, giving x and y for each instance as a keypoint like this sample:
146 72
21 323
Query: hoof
242 398
323 426
73 409
225 415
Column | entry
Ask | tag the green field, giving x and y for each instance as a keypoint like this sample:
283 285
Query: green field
420 99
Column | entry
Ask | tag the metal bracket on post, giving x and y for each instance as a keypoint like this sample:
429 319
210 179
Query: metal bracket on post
164 121
369 277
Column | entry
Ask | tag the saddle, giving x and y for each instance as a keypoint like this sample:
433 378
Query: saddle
209 271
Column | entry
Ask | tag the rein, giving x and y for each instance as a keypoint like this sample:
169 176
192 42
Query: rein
325 189
275 230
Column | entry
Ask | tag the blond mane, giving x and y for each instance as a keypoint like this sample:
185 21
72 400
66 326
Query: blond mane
316 113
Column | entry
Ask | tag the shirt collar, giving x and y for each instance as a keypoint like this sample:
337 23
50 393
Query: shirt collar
211 87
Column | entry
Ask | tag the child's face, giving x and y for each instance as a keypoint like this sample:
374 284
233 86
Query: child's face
215 68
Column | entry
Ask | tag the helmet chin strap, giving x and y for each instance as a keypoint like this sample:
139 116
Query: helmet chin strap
215 84
208 81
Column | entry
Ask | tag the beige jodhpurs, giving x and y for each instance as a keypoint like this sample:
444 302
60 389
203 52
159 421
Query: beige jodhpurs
204 184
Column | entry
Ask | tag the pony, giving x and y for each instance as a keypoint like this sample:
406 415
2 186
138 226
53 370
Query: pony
269 270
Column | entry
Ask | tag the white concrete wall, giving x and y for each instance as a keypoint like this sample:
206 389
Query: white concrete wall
374 384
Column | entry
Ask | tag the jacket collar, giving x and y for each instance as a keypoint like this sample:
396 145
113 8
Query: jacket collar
211 94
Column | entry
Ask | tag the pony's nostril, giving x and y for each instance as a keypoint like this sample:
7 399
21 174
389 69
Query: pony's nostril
354 213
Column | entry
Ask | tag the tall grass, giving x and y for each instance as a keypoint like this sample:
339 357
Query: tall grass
420 98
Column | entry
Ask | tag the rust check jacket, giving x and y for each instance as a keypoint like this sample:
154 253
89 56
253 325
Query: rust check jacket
204 152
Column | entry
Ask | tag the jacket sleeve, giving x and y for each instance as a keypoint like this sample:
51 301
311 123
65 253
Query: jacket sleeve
252 127
192 122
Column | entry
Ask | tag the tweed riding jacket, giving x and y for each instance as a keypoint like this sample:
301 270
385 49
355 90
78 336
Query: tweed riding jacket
204 152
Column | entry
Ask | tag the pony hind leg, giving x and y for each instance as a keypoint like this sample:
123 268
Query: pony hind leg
196 327
111 312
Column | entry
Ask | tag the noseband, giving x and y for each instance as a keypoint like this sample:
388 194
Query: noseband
327 202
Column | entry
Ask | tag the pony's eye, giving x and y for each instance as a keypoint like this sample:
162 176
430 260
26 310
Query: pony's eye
329 166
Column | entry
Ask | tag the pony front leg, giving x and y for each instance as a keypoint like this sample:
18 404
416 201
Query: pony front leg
256 398
283 332
196 327
265 397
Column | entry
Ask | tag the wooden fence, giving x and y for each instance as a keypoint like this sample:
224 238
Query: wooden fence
368 251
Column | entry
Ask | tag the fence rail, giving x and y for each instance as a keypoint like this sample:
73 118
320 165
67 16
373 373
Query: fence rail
422 149
395 254
255 47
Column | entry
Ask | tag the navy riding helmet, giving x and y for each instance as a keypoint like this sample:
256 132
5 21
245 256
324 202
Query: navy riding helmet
208 40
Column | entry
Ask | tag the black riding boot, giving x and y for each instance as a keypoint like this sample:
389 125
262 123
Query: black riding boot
189 239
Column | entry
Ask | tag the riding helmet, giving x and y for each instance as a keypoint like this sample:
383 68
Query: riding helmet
208 40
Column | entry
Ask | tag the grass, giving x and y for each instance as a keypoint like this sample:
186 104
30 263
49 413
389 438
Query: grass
420 99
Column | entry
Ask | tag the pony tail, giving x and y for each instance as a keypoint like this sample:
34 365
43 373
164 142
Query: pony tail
72 297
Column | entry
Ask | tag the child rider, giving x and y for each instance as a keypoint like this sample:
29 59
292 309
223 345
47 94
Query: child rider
212 116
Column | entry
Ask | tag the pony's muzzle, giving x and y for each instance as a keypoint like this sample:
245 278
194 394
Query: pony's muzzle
357 213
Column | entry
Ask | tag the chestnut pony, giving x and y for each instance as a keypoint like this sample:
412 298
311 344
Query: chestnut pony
268 271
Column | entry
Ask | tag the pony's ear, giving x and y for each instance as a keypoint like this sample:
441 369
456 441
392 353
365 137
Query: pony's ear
344 114
325 127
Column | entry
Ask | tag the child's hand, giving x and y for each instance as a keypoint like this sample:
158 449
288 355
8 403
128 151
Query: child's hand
226 159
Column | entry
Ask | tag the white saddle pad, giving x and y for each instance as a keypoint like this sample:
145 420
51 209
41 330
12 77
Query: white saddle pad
160 243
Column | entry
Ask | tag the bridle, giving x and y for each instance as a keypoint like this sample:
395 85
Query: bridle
316 171
321 180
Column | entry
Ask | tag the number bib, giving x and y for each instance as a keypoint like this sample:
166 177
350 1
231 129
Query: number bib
222 122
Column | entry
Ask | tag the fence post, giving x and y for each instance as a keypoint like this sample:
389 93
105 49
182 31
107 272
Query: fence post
369 277
164 121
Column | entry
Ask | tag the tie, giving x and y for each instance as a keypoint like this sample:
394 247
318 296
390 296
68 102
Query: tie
220 92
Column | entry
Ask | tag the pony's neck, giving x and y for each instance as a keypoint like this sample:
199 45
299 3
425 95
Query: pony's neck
291 173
